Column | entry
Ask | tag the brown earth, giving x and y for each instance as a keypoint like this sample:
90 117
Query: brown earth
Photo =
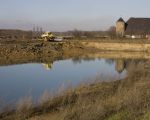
22 52
17 52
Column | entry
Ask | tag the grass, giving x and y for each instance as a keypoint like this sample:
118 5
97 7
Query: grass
127 99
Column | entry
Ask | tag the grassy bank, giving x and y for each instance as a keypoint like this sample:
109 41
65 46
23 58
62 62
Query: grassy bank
127 99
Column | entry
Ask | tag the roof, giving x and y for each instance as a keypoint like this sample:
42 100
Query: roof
138 26
120 20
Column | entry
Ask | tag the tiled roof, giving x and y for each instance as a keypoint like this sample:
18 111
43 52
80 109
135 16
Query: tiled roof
138 26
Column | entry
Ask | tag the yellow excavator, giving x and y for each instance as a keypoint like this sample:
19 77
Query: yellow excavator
48 36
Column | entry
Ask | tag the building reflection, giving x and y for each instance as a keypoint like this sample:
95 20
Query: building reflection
120 65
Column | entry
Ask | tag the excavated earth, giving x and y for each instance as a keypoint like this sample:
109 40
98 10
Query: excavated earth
25 52
17 52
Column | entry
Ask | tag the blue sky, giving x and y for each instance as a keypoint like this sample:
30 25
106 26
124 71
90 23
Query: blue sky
63 15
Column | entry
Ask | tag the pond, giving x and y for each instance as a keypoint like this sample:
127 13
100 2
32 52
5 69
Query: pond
32 79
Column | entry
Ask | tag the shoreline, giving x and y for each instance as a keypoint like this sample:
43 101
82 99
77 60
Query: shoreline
122 99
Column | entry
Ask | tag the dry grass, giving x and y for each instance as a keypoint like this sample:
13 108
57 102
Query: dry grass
128 99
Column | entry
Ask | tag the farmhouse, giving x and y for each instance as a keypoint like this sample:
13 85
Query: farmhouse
133 28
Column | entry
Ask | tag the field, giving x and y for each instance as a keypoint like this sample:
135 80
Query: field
126 99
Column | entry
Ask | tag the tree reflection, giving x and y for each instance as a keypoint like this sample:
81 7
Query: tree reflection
78 60
109 61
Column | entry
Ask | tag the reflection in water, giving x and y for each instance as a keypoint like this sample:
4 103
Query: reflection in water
120 65
20 79
31 79
110 61
48 66
78 60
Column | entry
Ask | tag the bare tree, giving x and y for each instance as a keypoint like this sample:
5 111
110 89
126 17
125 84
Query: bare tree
112 31
76 33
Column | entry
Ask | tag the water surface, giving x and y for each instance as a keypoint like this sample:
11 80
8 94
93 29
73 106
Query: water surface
32 79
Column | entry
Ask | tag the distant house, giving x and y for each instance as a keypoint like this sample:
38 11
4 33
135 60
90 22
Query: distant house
133 28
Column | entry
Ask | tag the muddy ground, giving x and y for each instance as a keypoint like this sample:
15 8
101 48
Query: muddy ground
25 52
17 52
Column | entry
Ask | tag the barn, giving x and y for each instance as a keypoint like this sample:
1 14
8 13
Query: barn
133 28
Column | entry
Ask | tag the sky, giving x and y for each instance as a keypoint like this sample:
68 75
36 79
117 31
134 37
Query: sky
64 15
